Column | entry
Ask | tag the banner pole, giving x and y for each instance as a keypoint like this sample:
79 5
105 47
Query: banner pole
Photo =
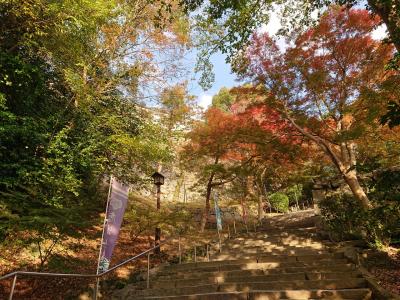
96 289
218 219
104 224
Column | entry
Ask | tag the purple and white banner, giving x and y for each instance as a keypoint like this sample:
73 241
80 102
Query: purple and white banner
116 206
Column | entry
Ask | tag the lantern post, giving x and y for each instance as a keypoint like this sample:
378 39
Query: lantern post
158 181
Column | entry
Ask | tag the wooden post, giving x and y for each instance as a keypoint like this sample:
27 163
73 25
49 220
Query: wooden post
148 270
195 253
179 249
158 229
234 226
229 232
219 242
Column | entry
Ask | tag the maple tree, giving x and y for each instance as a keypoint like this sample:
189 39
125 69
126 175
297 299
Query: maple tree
210 143
318 83
237 145
387 10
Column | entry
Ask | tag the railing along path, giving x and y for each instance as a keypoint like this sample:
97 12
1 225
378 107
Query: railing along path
17 274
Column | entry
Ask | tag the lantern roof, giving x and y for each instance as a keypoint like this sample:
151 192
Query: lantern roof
156 174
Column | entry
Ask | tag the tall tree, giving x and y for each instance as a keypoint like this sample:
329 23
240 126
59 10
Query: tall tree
210 144
239 19
72 74
316 84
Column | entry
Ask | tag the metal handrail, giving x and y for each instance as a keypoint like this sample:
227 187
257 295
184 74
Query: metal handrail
97 276
82 275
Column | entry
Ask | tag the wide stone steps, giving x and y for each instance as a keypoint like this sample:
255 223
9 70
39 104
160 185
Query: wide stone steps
262 258
178 282
273 263
359 294
333 284
224 255
347 268
265 257
255 266
281 247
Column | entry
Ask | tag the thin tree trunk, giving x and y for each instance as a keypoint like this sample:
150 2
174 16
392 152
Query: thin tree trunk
260 208
206 212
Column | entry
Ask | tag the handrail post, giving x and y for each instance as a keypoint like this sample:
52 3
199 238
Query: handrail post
96 288
219 243
234 226
179 249
195 253
207 253
148 270
13 287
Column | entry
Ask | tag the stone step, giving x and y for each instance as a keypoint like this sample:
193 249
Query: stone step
174 282
278 258
354 294
333 284
271 246
272 250
268 239
256 272
272 230
236 254
261 258
316 245
253 265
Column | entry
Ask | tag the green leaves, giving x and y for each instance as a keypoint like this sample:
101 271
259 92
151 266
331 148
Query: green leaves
279 201
71 76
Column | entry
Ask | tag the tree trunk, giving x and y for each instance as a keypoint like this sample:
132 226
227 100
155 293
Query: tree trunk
357 190
260 208
343 157
349 173
388 12
206 212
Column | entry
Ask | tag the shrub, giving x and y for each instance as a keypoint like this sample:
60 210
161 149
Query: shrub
279 201
343 216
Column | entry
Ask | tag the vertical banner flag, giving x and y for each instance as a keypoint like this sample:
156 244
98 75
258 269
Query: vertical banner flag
116 204
217 212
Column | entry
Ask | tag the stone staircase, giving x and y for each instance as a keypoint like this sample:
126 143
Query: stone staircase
277 262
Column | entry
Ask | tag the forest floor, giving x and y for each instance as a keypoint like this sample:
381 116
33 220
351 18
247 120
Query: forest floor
385 267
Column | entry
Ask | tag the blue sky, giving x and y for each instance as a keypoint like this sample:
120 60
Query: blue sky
223 75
